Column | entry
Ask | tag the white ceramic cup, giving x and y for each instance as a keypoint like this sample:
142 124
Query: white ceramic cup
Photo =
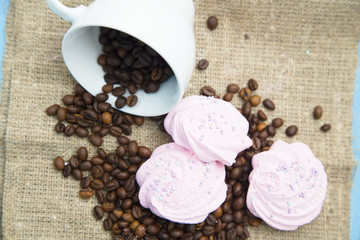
164 25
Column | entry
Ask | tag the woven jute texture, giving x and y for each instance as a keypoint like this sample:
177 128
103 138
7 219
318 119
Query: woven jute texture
302 53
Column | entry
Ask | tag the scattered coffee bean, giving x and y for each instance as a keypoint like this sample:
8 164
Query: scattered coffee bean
212 22
131 100
325 127
85 182
98 212
255 100
261 115
61 113
95 140
317 113
277 122
86 193
232 88
52 110
269 104
245 94
81 132
252 84
291 130
59 127
228 97
59 163
203 64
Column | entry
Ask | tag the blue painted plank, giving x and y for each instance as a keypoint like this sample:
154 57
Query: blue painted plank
355 193
4 7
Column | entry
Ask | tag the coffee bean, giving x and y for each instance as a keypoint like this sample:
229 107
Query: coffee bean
256 143
121 151
129 184
96 160
95 140
261 126
61 113
69 130
237 189
317 113
108 224
101 97
207 91
269 104
255 100
252 84
59 127
118 91
137 76
212 22
97 184
106 179
97 171
68 99
228 97
153 229
98 212
235 173
128 217
208 230
277 122
82 153
108 206
59 163
238 203
115 131
255 222
81 132
107 88
132 88
231 234
218 212
100 197
86 193
132 148
261 115
74 162
211 220
145 59
291 130
226 207
152 87
121 193
139 121
156 74
106 117
137 212
90 114
176 233
85 165
246 109
85 182
135 160
325 127
144 152
163 235
126 129
131 100
271 130
120 102
203 64
79 90
127 204
108 167
227 217
52 110
67 170
245 94
87 98
232 88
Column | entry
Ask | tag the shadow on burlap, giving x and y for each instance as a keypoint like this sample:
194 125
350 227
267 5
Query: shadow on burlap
302 53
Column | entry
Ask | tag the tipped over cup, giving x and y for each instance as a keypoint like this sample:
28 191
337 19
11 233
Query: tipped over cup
164 25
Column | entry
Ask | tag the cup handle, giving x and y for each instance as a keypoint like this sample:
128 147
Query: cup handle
67 13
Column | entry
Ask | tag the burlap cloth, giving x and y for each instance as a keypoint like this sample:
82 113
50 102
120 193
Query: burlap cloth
302 53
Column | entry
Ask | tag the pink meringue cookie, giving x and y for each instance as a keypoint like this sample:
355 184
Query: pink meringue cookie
176 185
211 128
287 186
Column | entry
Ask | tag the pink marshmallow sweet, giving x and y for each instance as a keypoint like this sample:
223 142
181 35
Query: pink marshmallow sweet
176 185
211 128
287 186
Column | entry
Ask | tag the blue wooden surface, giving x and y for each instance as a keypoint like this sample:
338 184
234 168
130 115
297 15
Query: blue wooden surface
4 6
355 195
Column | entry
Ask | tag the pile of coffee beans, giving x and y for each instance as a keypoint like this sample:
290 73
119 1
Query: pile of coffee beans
129 64
92 117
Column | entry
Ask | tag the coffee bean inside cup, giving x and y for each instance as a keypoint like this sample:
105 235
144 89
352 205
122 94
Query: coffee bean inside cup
128 64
